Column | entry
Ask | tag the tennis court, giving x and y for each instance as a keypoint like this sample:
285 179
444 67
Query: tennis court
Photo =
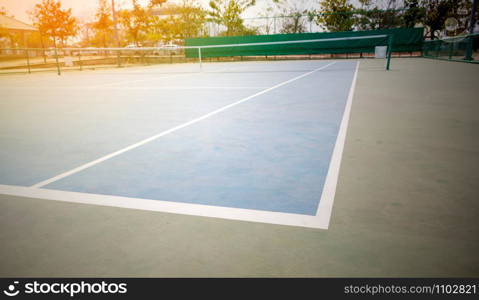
239 170
257 141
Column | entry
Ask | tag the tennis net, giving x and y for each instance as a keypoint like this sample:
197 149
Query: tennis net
59 59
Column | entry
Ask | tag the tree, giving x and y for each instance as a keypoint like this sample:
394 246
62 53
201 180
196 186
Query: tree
269 25
104 23
136 23
292 13
3 31
53 21
156 2
294 23
378 14
191 21
185 20
336 15
414 13
437 11
4 35
228 13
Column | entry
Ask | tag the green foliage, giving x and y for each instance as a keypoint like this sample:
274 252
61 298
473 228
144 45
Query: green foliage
53 21
4 37
375 18
104 24
156 2
294 24
414 13
153 23
136 23
437 11
293 16
161 30
185 20
228 13
3 31
336 15
339 15
190 20
378 14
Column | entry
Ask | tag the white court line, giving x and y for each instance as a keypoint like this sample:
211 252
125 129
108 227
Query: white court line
325 206
137 80
148 79
152 138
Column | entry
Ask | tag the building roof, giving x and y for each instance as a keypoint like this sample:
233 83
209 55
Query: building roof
14 24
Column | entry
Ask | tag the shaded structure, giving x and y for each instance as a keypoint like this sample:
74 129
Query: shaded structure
14 33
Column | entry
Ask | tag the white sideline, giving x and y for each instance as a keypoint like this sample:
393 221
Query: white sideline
325 206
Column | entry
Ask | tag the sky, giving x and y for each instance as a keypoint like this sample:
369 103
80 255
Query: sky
85 9
80 8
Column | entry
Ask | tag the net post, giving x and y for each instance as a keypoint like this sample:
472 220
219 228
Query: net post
390 50
199 56
472 24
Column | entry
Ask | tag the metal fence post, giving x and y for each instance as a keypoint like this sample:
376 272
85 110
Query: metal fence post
25 45
199 56
56 59
28 61
472 24
390 51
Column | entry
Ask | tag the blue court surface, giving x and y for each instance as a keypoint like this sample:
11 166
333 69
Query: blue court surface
252 141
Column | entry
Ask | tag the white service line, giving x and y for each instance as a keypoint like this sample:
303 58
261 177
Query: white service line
188 88
148 79
136 80
152 138
325 206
